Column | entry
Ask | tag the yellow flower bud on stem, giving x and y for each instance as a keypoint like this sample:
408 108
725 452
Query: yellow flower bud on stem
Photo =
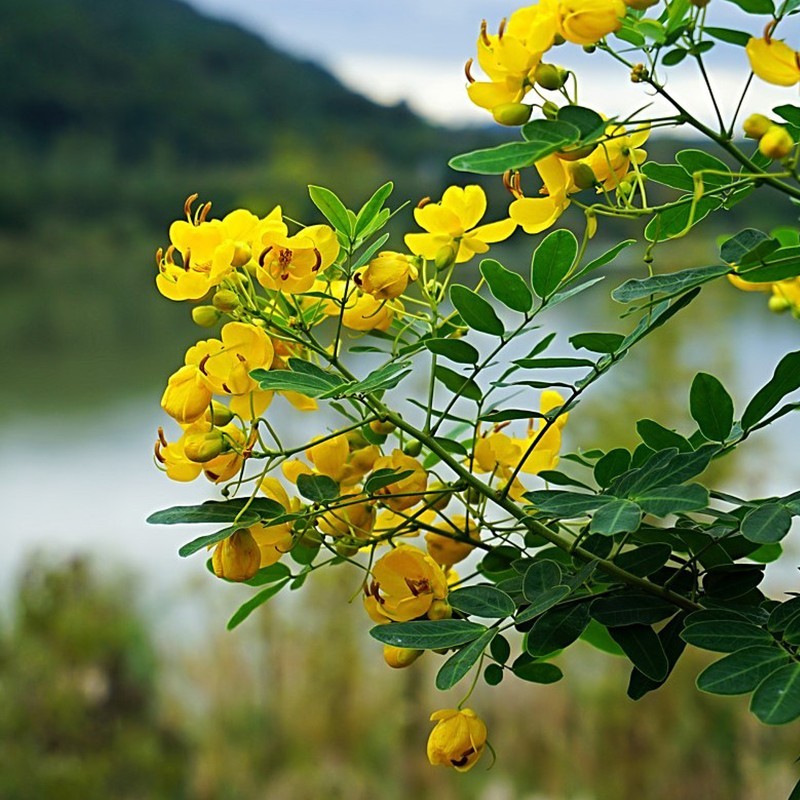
226 300
236 558
776 143
440 609
202 447
400 657
206 316
756 125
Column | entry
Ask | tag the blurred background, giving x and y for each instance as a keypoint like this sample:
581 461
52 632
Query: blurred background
117 677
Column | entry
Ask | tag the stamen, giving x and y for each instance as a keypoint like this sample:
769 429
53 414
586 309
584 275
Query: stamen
318 262
468 70
263 256
187 206
424 202
502 28
484 35
157 453
204 212
161 437
202 365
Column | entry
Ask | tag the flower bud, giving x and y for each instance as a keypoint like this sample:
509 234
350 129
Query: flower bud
756 125
438 496
445 257
220 415
639 73
205 316
512 113
582 175
236 558
346 548
399 657
550 77
776 143
590 48
473 495
558 39
576 153
440 609
202 447
413 448
226 300
549 109
241 254
778 304
382 427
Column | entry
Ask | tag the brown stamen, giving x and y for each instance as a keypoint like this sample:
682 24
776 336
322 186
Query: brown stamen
202 365
187 206
204 212
484 35
264 255
502 28
424 202
318 261
157 453
468 70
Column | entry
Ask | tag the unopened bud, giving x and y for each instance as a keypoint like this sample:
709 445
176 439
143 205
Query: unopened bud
639 73
512 113
438 496
226 300
549 109
778 304
356 440
205 316
558 39
590 48
202 447
776 143
399 657
382 427
440 609
445 257
576 153
473 495
346 548
236 558
699 3
220 415
550 77
413 448
756 125
241 254
582 175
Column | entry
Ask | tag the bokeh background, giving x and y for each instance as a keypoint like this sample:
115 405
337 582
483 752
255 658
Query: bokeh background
117 677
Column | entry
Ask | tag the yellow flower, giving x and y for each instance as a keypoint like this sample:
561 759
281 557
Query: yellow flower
588 21
362 312
292 263
786 296
236 558
611 159
776 143
448 547
407 492
405 583
187 396
457 740
451 223
535 214
274 541
356 519
387 275
774 61
337 458
400 657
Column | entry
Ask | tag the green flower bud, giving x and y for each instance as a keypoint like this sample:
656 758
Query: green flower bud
445 257
382 427
582 175
590 48
438 496
778 304
549 109
440 609
640 5
226 300
205 316
576 153
202 447
220 415
241 254
550 77
413 448
512 113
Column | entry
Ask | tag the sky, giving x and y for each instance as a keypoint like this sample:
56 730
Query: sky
414 51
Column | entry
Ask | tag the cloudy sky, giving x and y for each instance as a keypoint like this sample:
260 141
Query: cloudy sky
414 50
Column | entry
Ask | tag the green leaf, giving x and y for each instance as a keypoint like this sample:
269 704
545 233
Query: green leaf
386 377
461 662
662 468
539 577
476 312
785 379
658 437
739 38
367 254
755 6
679 219
791 633
332 209
603 259
725 636
767 523
557 628
597 342
271 574
369 211
384 477
783 614
318 488
669 284
564 505
699 161
213 511
500 649
526 669
672 175
776 700
670 638
507 286
630 608
618 516
588 122
552 261
778 265
673 57
428 634
553 363
612 464
458 384
644 560
742 671
543 602
483 600
790 113
597 636
643 647
746 243
202 542
455 349
282 380
711 407
493 674
246 609
543 140
663 500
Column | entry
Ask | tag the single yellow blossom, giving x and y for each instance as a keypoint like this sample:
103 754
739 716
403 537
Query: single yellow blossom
292 263
450 546
458 739
387 276
774 61
409 491
236 558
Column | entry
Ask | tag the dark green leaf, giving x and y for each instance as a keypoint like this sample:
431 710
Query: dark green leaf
202 542
385 377
678 219
543 602
246 609
671 175
742 671
725 636
658 437
739 38
270 574
630 608
566 505
461 662
604 258
428 634
711 407
483 600
369 211
493 674
783 614
526 669
317 488
507 286
746 243
455 349
612 464
643 647
670 638
553 363
755 6
644 560
458 384
500 649
791 114
557 628
332 209
552 261
282 380
476 312
214 511
673 57
540 576
618 516
597 342
699 162
776 700
588 122
384 477
670 284
767 523
785 379
663 500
